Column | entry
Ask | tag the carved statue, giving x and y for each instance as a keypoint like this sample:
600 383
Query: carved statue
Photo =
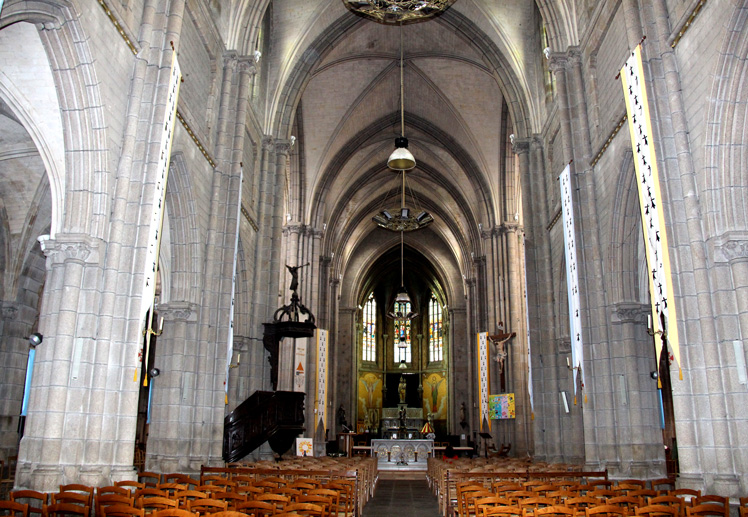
294 275
341 416
463 415
401 388
403 416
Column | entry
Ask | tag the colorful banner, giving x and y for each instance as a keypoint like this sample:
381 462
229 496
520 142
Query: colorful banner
483 378
230 339
157 212
501 406
320 401
299 371
572 278
650 201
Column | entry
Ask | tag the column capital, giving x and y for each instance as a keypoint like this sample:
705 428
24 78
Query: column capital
629 312
574 55
521 145
268 143
71 247
283 147
557 62
178 311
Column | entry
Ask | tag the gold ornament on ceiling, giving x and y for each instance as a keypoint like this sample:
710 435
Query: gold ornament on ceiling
398 11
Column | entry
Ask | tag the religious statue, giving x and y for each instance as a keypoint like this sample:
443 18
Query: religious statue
295 276
401 388
341 417
463 415
499 339
403 416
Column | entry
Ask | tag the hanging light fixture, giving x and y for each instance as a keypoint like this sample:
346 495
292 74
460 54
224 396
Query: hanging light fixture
402 160
398 11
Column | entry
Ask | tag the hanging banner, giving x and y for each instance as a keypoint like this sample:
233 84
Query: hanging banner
156 218
230 339
650 201
572 278
527 327
483 378
299 374
320 401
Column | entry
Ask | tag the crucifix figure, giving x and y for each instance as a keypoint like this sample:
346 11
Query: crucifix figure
499 339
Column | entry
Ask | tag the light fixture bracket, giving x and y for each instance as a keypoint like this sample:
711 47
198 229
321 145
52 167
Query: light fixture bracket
398 11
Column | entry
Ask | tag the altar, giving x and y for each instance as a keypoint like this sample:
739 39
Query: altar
390 423
402 454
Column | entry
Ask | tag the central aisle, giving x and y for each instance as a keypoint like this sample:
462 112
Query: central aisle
405 496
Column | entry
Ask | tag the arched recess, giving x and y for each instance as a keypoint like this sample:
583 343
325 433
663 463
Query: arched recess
184 235
726 159
559 22
81 188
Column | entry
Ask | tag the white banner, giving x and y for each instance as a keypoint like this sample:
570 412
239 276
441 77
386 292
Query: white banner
483 378
156 219
572 277
527 330
299 371
320 403
650 200
230 339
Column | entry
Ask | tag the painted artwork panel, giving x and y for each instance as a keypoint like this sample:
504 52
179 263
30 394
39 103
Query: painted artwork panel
501 406
435 395
369 394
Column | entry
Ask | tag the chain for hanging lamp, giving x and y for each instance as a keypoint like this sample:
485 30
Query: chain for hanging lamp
398 11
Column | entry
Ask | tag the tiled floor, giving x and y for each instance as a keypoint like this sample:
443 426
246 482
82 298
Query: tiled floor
402 498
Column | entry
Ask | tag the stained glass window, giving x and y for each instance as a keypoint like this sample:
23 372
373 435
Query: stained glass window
402 329
369 340
436 334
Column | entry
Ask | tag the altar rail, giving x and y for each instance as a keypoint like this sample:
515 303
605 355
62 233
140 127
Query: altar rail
443 477
362 472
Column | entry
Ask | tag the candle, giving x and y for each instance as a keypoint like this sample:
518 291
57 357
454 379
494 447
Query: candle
649 321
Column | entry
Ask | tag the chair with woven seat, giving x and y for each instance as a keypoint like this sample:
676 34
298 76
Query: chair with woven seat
173 512
334 497
188 495
346 495
662 484
155 503
112 489
605 510
669 500
629 502
109 499
708 510
743 511
256 508
149 479
479 503
171 488
231 498
469 497
229 513
206 506
122 510
292 493
70 498
554 511
658 510
13 509
582 502
530 504
36 500
280 501
78 488
321 500
182 479
502 511
310 509
602 493
685 492
710 499
66 510
132 486
644 493
149 492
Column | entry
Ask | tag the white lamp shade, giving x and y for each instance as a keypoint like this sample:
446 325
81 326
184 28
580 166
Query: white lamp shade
401 160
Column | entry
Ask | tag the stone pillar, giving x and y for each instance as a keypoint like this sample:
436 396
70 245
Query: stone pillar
344 363
65 441
461 377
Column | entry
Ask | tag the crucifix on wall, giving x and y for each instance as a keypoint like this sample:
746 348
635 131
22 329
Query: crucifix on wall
499 340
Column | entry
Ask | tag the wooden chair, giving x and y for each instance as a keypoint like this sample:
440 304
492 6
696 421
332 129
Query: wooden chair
280 501
321 500
658 510
182 479
66 510
229 513
560 496
231 499
36 500
109 499
173 512
582 502
743 501
172 488
554 511
279 481
206 506
122 510
334 497
156 503
14 509
669 500
683 492
599 483
149 479
708 509
305 509
70 498
78 488
662 484
469 497
502 511
130 485
188 495
629 502
250 491
479 503
150 492
112 489
644 493
292 493
743 511
602 493
711 499
606 510
256 508
346 495
639 483
517 496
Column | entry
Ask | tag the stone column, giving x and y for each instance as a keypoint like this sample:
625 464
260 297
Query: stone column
64 440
